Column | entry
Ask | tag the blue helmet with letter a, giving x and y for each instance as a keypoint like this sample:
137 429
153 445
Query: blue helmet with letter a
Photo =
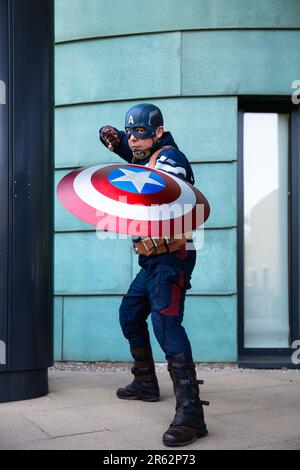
142 120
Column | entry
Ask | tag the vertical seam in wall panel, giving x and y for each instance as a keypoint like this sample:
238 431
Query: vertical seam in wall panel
180 63
62 327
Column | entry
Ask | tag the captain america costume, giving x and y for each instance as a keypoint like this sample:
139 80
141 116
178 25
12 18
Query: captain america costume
160 286
159 289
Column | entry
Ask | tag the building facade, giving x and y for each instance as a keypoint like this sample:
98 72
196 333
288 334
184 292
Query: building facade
223 73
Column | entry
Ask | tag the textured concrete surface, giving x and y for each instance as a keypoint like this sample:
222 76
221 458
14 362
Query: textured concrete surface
248 410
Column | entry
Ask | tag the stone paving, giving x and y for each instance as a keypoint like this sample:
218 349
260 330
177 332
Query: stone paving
249 409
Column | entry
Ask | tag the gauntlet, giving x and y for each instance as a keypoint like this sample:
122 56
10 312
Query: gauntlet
110 137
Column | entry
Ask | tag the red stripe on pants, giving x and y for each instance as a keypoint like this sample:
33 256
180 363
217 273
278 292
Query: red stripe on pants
175 297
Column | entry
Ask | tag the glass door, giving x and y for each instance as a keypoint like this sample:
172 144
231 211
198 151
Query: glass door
266 230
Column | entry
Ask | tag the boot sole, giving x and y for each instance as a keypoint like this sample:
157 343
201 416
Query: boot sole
199 435
139 398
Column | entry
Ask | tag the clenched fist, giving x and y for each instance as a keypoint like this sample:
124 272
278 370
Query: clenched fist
110 137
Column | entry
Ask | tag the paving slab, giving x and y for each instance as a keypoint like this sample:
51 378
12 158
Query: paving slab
249 409
91 441
15 431
63 422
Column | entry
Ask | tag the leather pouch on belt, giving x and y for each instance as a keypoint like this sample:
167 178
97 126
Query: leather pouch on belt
158 246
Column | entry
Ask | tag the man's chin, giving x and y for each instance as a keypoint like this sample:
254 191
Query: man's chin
140 154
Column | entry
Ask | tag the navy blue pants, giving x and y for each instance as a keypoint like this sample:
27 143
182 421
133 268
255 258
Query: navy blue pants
159 289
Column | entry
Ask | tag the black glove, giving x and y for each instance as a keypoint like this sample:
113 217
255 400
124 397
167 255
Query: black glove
110 137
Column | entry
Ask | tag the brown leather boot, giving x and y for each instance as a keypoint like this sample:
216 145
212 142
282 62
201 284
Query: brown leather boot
188 424
144 386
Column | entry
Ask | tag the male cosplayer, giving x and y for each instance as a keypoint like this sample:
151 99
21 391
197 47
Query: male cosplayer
159 288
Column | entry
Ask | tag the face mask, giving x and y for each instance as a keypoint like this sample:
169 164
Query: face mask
139 132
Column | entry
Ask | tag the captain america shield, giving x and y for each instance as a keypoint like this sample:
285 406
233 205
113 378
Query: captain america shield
133 200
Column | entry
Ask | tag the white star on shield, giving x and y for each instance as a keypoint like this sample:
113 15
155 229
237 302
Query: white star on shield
137 179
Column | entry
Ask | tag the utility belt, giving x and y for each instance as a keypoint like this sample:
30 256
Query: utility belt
158 246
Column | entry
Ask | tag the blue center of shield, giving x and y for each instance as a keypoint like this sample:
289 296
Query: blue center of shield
136 180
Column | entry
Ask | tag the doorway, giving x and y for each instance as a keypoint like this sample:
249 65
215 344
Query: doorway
268 234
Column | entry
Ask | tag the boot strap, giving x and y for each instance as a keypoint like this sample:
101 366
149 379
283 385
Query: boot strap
204 402
142 370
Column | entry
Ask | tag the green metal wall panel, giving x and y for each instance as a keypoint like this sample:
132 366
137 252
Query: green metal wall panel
118 68
92 331
212 326
240 62
90 18
86 265
215 271
218 182
212 120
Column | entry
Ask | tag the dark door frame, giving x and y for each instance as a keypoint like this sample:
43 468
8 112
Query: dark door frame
4 149
270 357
